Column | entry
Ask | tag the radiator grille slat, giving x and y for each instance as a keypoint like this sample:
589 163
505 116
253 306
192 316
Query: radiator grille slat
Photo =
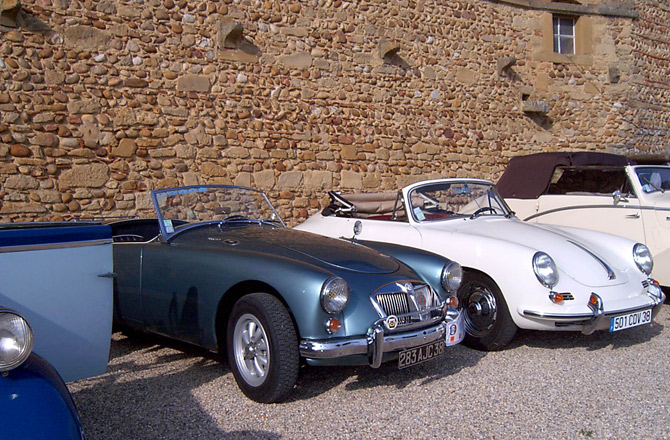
393 303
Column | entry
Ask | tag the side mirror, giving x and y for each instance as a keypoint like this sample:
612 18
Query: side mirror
618 197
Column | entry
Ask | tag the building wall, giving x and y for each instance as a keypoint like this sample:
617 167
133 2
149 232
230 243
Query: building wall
101 101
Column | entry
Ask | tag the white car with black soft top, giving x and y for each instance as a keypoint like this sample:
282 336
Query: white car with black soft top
516 274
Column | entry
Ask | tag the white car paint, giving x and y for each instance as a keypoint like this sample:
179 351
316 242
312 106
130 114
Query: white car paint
642 214
503 247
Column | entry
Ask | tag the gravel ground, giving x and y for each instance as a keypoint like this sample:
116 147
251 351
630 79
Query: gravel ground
549 385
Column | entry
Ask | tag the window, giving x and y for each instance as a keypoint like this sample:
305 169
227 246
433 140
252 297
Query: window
564 34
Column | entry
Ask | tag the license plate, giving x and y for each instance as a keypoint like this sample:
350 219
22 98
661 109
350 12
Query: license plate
630 320
420 354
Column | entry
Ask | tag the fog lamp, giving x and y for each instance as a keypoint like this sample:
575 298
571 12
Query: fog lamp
333 325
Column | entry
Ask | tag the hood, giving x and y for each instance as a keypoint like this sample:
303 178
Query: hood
304 246
575 258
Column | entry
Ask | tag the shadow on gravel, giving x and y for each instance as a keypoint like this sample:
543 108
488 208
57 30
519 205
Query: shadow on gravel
595 341
314 381
119 405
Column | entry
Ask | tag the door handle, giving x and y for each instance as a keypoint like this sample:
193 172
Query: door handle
636 215
108 275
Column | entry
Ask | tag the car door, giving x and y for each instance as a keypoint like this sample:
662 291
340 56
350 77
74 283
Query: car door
59 277
599 212
181 286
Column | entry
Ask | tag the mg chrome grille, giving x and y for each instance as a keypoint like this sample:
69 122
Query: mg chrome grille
393 303
645 283
407 305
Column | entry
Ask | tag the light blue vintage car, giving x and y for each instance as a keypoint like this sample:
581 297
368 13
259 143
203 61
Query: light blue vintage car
218 268
55 323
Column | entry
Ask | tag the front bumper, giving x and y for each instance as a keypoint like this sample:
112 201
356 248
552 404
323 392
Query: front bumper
377 343
597 318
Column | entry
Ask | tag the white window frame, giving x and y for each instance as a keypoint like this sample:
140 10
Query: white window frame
562 30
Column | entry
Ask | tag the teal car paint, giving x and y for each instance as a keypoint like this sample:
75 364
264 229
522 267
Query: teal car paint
218 268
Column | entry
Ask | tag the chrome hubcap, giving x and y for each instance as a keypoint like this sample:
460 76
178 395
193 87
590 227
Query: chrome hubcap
250 344
481 310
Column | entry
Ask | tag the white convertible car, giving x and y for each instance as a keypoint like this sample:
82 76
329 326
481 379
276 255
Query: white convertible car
516 274
597 191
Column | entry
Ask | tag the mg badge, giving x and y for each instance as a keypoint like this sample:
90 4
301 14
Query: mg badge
421 299
391 322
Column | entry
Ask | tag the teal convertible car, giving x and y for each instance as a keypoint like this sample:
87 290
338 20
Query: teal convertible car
218 268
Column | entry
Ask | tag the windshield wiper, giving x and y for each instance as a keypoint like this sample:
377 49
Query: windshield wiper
654 186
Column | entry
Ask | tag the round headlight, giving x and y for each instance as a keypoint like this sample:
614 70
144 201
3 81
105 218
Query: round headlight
452 276
334 295
545 269
16 340
643 258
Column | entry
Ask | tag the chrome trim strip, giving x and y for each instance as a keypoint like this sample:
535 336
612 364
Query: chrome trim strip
370 345
610 273
573 208
67 244
585 316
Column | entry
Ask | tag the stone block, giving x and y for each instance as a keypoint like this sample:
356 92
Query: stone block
301 60
194 83
185 151
21 182
84 106
94 175
466 76
211 169
351 180
126 148
289 180
318 180
349 152
86 38
264 180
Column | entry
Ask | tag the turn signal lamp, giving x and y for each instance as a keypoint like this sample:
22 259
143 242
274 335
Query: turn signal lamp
333 325
452 301
556 297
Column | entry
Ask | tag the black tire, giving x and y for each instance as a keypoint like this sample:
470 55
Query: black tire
488 323
265 365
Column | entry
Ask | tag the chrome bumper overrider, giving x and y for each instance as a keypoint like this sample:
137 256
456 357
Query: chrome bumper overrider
375 344
597 318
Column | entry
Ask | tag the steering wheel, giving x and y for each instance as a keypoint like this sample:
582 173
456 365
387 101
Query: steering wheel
482 210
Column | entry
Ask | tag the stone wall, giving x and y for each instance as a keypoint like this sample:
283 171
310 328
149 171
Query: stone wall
650 98
102 101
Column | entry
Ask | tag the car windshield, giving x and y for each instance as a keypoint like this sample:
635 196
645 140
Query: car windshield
653 179
178 207
446 200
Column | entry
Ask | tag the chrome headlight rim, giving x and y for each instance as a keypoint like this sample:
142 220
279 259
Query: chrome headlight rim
545 269
334 295
643 259
452 276
16 340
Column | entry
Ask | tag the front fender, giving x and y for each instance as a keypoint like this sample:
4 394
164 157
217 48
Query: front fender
37 404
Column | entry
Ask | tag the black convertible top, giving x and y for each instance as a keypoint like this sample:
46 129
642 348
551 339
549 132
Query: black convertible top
527 177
